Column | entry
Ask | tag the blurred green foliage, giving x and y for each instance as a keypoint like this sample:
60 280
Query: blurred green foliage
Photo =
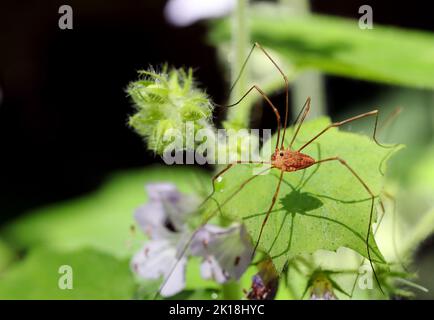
338 46
93 235
101 220
95 276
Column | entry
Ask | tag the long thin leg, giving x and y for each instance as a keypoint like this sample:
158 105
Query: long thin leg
383 210
242 186
273 201
219 174
242 69
303 113
207 219
344 163
340 123
276 112
285 79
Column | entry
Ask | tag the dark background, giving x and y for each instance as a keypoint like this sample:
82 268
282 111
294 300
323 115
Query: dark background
63 108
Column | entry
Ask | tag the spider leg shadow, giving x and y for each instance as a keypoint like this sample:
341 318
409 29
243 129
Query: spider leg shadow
298 202
302 203
293 203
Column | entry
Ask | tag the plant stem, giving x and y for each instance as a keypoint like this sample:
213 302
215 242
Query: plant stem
239 117
310 83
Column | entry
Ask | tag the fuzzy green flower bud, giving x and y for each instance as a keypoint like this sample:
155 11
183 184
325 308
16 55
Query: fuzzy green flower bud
165 101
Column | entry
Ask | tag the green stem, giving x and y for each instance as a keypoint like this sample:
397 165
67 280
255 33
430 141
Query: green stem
239 117
309 83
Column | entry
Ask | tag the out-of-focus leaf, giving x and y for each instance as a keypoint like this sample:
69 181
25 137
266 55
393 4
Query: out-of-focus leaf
422 176
338 46
95 275
419 224
423 229
6 255
100 220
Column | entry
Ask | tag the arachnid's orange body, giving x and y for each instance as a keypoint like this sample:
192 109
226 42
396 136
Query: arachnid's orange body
289 160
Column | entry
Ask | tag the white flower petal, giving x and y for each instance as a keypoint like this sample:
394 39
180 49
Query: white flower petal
156 260
210 269
226 251
186 12
151 218
179 211
161 190
166 211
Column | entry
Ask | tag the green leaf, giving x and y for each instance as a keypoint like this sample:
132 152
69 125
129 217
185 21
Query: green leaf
419 224
338 46
95 275
6 255
322 207
102 219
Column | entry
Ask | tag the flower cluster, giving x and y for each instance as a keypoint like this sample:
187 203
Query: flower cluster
168 100
265 283
225 252
321 287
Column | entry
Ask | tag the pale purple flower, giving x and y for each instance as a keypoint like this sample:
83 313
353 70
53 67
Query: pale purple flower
226 252
166 212
321 288
163 220
258 290
186 12
265 283
156 260
327 295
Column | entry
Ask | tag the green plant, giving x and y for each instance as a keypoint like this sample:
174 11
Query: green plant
321 214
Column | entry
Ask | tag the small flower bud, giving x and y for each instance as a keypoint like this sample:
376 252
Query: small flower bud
321 287
168 100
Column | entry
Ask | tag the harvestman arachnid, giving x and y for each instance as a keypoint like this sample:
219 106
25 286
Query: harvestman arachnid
287 160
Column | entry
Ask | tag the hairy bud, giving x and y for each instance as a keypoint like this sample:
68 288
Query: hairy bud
168 100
